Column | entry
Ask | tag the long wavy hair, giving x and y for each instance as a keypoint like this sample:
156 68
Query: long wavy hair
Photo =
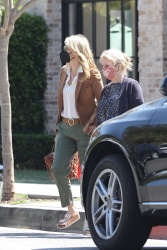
79 45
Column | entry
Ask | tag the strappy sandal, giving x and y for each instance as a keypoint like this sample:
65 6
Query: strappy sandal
68 220
86 232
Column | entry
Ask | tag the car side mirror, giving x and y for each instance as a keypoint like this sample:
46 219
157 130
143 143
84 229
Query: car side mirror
163 86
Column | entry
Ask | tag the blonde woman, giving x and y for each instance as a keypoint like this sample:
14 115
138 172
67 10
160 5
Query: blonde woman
79 91
121 93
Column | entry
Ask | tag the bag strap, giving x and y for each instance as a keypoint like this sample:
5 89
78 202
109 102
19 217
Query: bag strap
53 148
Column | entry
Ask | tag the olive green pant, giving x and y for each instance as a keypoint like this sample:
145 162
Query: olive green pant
69 140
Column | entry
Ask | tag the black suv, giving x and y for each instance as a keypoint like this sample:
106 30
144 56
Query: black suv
124 179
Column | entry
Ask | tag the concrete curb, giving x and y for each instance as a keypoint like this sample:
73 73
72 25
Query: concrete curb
36 218
43 197
42 218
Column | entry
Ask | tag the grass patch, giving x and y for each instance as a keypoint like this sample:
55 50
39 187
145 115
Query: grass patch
19 199
24 199
35 176
32 176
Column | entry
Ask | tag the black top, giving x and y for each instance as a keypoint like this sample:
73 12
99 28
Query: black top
117 98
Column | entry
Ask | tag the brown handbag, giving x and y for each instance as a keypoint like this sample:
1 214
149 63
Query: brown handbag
74 168
48 159
74 165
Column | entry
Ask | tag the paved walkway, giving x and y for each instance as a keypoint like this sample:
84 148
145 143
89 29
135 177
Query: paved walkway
46 192
40 215
43 189
44 215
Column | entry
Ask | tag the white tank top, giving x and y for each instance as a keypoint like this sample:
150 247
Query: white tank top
69 110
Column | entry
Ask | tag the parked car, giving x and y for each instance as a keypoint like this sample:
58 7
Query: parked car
124 176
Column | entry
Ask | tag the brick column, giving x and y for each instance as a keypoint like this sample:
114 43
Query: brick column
53 20
151 46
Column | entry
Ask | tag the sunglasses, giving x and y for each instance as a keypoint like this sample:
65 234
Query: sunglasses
66 50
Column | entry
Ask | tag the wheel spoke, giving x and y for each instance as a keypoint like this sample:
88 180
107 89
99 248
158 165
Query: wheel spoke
101 189
117 206
99 215
109 223
112 184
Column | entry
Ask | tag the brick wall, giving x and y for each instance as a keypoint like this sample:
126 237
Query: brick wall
151 47
51 11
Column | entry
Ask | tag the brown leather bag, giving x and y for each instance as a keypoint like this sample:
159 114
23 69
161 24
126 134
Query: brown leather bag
74 168
48 159
74 165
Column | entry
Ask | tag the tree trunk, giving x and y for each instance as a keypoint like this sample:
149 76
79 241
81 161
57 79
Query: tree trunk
6 131
6 30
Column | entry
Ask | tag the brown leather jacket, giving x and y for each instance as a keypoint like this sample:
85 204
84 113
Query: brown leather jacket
87 95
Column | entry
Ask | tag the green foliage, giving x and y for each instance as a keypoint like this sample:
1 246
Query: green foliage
29 150
27 62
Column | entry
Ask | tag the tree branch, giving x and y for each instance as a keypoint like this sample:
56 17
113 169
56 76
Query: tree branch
10 5
7 15
0 16
15 9
22 10
17 6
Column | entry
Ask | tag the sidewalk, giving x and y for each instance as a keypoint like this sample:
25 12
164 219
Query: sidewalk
51 191
44 215
40 215
43 191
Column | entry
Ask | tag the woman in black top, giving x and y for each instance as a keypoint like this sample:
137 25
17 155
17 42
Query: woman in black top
122 93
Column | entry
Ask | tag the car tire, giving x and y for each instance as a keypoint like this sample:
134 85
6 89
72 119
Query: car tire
112 208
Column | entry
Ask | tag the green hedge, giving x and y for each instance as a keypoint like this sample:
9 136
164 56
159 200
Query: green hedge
27 77
29 150
26 62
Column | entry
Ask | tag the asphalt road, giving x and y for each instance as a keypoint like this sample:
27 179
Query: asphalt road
27 239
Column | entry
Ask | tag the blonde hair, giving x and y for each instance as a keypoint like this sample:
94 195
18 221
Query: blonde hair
79 45
117 57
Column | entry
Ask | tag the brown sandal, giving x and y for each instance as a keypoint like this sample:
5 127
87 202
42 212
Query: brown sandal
68 220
